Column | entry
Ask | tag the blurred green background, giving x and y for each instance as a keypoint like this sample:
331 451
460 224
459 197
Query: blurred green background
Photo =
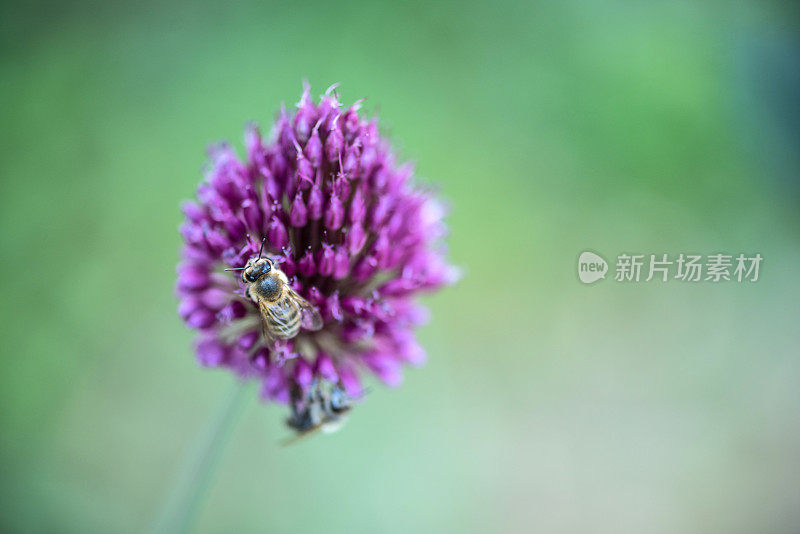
547 405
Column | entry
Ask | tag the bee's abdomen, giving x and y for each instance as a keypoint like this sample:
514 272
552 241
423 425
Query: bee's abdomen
284 323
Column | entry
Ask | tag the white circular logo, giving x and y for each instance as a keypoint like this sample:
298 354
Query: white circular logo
591 267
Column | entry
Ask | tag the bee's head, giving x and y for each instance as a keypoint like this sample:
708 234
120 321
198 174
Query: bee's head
255 269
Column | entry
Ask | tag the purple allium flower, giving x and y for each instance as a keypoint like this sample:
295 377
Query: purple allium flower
355 236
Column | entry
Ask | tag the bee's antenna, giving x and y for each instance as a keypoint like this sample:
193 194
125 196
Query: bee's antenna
237 269
262 247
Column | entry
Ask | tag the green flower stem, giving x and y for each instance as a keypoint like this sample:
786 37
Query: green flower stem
196 475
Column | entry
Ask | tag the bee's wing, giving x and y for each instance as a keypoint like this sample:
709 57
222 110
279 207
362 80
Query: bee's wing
311 319
263 307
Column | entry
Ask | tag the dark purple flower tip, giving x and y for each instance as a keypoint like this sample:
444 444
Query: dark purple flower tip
215 298
355 239
306 115
341 263
334 213
365 269
334 144
315 203
333 308
307 265
233 311
325 368
325 259
305 171
313 150
252 213
286 262
298 215
385 366
358 207
349 378
346 225
210 352
275 384
277 234
193 212
303 374
187 307
201 319
248 340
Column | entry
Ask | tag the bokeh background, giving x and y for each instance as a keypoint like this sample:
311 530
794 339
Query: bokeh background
546 405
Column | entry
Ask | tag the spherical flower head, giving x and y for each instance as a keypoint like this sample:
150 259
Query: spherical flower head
355 236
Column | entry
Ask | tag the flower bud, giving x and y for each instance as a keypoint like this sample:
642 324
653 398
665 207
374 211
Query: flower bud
315 202
277 235
307 265
334 214
299 215
313 150
325 259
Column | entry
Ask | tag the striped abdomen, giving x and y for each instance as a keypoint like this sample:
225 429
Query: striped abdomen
282 318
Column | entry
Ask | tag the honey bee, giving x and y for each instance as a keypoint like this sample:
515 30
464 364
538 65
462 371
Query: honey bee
283 311
324 408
